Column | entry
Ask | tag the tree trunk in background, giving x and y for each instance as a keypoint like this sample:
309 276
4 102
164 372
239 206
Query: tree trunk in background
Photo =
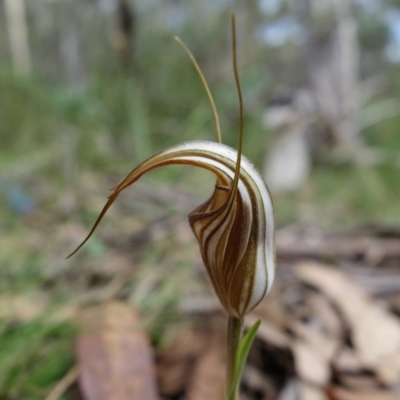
333 65
18 36
71 54
126 28
288 160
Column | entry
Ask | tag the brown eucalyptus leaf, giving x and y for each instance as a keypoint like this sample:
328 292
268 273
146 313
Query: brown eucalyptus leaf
208 379
310 365
175 363
114 355
375 332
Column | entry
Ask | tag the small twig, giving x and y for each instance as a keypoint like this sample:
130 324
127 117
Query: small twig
63 384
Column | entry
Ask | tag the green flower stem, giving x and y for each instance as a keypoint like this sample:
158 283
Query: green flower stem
235 328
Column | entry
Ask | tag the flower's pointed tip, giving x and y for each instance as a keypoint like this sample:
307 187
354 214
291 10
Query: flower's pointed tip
108 204
75 251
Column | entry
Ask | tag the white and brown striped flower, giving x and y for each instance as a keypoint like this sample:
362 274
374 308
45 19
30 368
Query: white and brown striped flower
234 227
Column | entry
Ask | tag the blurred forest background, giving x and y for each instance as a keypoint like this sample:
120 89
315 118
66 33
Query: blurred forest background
90 88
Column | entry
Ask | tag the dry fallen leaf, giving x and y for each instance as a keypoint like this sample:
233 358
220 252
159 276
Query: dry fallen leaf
208 379
114 355
375 332
338 393
311 366
176 362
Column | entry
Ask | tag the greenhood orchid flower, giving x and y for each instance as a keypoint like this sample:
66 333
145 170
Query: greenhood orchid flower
234 227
